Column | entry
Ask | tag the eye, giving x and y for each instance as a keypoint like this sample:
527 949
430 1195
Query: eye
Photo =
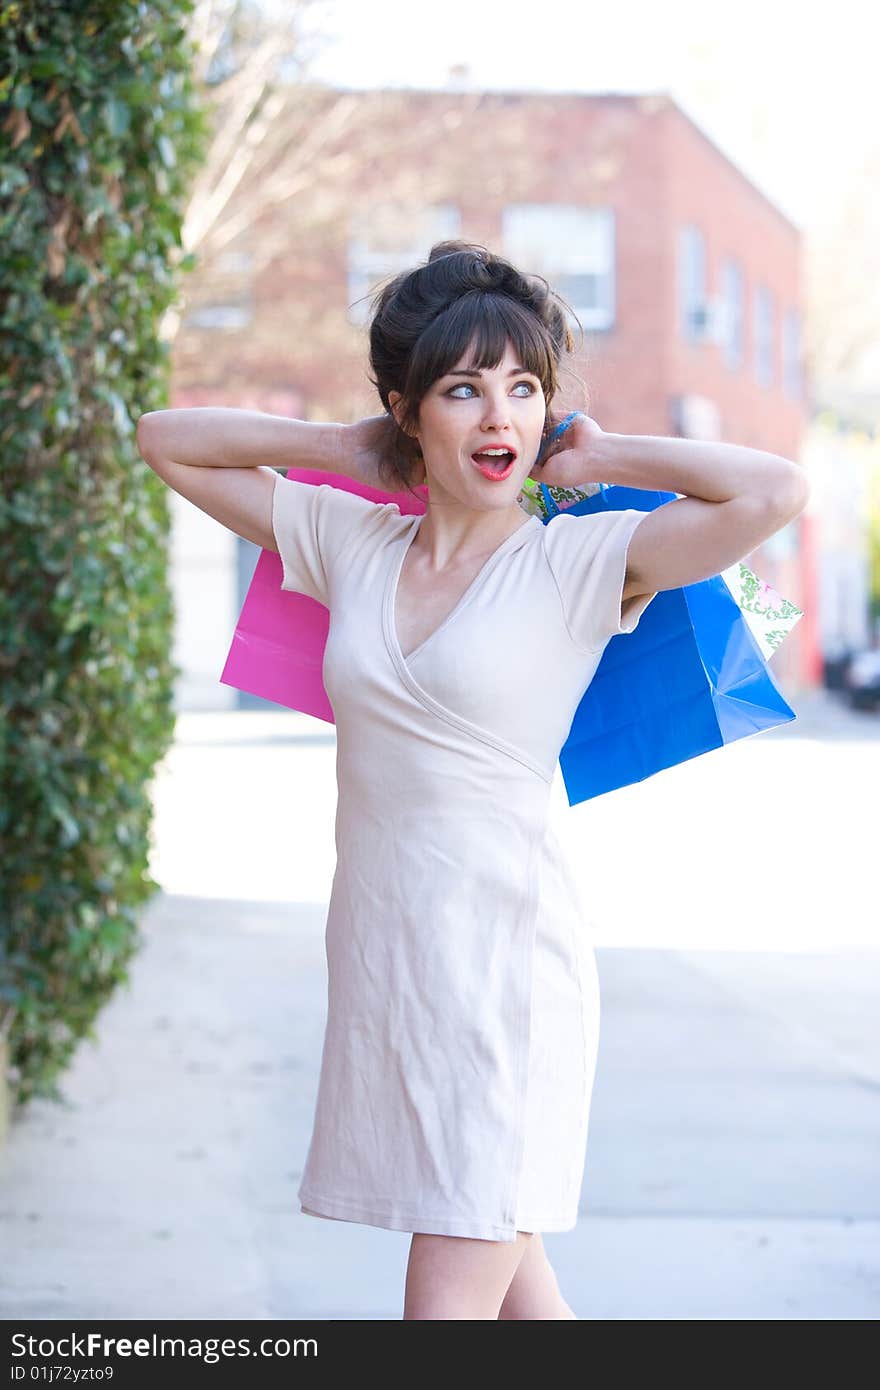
466 386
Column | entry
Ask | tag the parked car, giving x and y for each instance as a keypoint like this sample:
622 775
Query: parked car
861 679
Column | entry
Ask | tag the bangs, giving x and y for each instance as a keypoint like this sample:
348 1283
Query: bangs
488 321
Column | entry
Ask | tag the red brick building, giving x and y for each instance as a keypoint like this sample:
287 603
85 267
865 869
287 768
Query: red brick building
684 276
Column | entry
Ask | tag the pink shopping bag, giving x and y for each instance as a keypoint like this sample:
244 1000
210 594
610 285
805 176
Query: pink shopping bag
277 649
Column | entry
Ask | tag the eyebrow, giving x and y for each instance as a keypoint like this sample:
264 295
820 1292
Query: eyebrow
514 371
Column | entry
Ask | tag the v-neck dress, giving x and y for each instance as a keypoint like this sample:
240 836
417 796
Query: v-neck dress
463 1001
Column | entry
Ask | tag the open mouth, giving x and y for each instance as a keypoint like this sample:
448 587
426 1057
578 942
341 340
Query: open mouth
495 466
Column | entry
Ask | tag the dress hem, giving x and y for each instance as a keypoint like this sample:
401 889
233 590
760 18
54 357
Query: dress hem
441 1226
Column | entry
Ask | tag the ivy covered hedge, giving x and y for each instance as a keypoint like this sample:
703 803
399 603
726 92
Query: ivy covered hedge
100 133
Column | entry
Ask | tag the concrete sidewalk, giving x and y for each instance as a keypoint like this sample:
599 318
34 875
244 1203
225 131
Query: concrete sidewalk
732 1169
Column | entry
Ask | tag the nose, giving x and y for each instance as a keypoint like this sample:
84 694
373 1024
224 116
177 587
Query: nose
496 409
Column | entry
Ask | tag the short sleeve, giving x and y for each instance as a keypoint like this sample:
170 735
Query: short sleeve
313 526
587 556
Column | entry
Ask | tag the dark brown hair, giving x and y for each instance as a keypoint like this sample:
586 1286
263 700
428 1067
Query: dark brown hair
423 320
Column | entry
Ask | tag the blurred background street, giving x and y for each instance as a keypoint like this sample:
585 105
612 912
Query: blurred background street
735 1134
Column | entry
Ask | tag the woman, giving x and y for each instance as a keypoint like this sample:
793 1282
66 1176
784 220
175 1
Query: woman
463 1003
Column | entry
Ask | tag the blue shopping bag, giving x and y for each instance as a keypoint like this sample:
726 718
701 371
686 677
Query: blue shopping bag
691 677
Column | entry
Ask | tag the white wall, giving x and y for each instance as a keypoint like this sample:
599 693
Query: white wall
204 585
839 465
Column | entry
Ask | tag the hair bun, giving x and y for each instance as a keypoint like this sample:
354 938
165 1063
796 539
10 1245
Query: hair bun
450 248
474 268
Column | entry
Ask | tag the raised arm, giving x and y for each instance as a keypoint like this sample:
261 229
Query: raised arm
733 498
222 437
223 460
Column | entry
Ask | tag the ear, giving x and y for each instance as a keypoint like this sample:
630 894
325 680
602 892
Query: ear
395 401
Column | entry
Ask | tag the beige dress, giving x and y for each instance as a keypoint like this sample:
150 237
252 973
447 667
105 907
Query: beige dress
463 1002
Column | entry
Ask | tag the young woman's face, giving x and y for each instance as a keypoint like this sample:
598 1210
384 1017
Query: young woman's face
468 411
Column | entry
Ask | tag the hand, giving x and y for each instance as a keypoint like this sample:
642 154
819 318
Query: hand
363 446
573 458
366 445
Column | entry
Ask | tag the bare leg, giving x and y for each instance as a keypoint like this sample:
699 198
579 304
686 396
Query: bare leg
458 1276
534 1291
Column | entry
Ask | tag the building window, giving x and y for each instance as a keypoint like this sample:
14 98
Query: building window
573 248
227 303
235 261
692 284
732 300
220 316
791 355
388 238
763 309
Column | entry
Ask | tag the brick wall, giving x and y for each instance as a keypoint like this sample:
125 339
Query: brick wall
640 156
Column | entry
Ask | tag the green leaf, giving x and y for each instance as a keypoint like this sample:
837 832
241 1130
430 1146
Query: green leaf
166 152
117 116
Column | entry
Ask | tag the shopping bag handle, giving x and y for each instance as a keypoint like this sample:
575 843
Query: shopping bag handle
549 502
